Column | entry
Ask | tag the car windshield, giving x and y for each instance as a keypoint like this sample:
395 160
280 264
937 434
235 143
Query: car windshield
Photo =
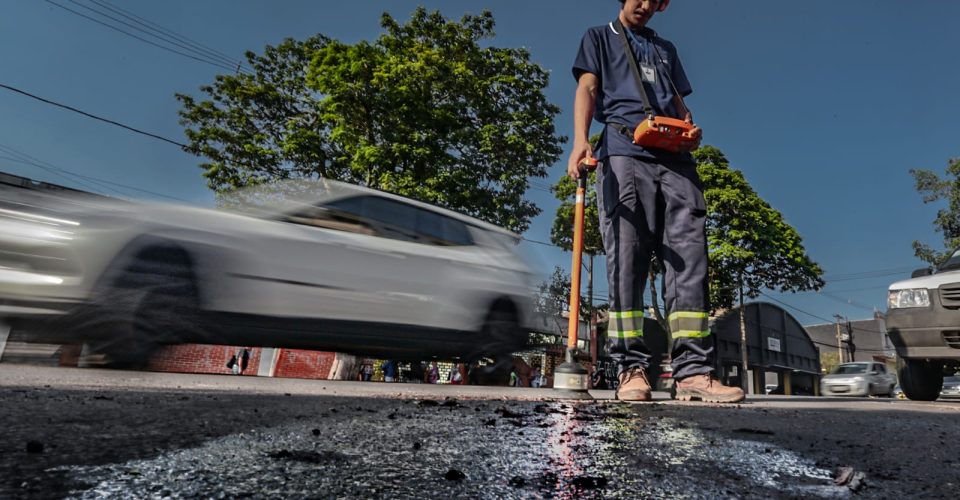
951 380
952 263
847 369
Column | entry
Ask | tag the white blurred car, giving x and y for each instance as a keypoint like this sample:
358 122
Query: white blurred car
313 265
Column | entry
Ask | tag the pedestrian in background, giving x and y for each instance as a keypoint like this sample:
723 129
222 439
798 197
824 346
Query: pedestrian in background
433 376
389 368
535 377
456 374
239 361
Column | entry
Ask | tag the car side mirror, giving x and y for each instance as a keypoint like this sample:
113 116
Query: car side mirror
926 271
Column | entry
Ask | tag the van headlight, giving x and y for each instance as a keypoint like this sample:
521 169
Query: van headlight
910 297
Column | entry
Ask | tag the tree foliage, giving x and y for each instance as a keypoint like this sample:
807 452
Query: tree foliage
424 111
561 233
749 243
553 296
261 126
932 188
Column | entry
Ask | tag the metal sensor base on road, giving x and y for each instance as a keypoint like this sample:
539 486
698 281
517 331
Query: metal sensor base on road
571 381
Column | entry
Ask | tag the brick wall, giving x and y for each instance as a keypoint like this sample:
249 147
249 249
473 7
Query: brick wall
295 363
201 358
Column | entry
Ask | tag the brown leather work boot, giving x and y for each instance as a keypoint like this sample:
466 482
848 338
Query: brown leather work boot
633 385
708 389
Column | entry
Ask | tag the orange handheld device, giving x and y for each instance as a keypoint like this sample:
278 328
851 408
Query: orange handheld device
666 133
660 132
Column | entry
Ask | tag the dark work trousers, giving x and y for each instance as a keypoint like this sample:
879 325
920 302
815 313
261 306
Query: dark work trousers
650 208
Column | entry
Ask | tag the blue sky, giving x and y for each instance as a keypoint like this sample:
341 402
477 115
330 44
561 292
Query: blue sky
824 105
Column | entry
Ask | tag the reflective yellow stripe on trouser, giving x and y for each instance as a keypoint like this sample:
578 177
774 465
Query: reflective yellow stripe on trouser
625 325
689 324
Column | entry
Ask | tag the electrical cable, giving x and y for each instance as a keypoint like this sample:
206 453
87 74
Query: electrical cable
846 301
220 65
867 273
883 275
170 33
60 171
163 37
58 174
796 308
540 242
95 117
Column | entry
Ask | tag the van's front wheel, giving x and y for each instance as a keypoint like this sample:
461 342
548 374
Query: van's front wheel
920 379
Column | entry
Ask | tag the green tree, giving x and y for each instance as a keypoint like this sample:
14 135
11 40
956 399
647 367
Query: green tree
264 125
947 223
751 247
561 233
553 296
424 111
828 361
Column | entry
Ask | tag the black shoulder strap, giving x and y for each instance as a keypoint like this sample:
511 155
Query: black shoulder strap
622 31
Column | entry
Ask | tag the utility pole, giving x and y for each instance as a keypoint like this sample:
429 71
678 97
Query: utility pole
591 322
839 340
745 356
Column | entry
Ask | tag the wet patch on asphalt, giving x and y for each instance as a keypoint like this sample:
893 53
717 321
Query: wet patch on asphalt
476 449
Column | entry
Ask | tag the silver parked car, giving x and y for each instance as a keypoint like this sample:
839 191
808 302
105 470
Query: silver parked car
312 265
858 379
951 387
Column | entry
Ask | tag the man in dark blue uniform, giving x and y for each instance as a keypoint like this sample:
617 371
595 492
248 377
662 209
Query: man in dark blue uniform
651 202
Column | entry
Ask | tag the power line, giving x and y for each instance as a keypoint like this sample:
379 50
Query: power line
830 321
164 31
540 186
846 301
95 117
162 36
845 290
881 275
29 160
54 172
540 242
144 40
860 274
796 308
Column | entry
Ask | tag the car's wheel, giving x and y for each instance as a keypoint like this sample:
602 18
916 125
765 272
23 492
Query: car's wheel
498 338
920 379
151 302
499 335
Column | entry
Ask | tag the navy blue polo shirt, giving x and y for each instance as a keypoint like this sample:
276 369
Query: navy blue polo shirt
618 98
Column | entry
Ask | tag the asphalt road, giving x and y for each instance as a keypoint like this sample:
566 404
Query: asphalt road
86 433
